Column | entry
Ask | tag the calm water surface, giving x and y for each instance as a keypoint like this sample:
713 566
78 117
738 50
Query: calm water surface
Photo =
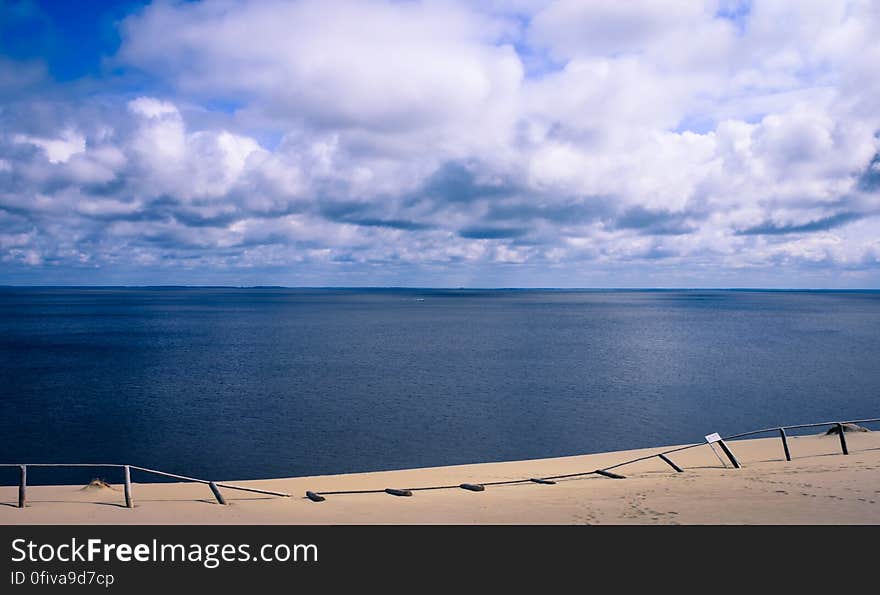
248 383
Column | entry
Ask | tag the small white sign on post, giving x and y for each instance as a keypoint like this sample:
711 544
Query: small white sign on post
713 438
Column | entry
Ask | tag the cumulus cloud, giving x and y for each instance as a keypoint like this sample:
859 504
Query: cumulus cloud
441 142
57 150
385 68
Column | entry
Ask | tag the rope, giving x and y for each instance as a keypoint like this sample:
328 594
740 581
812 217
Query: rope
547 478
615 466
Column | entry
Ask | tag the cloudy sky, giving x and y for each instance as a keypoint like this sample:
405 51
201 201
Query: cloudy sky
567 143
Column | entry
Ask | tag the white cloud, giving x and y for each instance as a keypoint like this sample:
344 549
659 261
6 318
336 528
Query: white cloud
150 107
577 28
376 66
57 150
204 163
439 133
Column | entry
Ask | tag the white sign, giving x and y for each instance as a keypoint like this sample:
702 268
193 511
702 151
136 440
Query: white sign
713 438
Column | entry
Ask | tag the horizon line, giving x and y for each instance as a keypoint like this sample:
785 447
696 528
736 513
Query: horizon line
418 287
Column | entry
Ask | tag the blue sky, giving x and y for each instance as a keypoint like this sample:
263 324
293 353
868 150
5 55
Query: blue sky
71 38
564 143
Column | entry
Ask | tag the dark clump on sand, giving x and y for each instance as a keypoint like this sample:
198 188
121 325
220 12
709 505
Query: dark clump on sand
98 484
846 428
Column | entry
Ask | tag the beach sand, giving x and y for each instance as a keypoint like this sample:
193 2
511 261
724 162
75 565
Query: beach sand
820 486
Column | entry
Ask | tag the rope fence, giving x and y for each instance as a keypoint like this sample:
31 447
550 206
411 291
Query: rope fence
607 471
126 471
839 426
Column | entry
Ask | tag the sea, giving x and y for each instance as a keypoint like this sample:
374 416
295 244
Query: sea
244 383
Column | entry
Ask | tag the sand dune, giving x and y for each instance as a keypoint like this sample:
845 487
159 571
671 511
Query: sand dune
819 486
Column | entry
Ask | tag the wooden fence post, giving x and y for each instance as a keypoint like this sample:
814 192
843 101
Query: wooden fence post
217 493
671 464
842 439
473 487
784 444
22 487
729 454
716 438
397 492
128 501
605 473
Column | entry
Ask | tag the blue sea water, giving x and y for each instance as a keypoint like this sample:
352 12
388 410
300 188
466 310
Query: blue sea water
230 383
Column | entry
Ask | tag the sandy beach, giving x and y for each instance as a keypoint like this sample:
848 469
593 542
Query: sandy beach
819 486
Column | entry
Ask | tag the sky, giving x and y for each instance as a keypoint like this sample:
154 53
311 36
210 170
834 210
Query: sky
505 143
